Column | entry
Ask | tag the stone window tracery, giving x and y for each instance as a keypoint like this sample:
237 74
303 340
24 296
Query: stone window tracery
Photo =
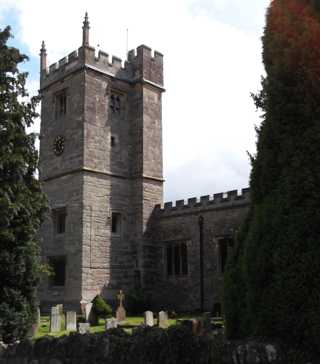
115 103
177 258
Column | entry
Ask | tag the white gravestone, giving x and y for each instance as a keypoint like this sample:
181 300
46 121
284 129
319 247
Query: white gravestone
84 328
55 320
148 318
163 320
71 321
111 323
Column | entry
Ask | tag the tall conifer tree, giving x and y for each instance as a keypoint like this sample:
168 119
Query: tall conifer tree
274 274
22 203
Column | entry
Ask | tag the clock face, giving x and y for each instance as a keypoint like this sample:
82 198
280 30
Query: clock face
58 145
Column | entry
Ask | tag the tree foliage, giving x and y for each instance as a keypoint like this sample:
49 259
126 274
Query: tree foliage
275 271
22 203
101 308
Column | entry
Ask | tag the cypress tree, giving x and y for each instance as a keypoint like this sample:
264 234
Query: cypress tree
22 203
277 264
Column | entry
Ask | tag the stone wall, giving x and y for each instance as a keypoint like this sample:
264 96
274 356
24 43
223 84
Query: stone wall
64 192
150 345
222 215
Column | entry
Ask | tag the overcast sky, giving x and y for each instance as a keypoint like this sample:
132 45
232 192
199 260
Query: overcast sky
212 51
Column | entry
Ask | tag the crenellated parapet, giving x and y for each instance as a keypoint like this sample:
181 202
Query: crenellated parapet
145 65
141 65
230 199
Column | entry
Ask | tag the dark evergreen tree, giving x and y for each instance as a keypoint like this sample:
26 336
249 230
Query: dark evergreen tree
22 203
275 272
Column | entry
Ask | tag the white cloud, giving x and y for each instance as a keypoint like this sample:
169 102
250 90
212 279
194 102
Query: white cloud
211 66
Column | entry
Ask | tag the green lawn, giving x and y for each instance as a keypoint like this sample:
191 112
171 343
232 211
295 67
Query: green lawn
44 327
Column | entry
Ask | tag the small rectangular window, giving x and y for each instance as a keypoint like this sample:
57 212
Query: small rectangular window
61 103
58 265
116 223
112 141
59 220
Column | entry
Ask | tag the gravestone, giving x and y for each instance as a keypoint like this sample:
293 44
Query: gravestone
121 312
55 319
60 308
71 321
111 323
196 326
84 328
163 320
148 318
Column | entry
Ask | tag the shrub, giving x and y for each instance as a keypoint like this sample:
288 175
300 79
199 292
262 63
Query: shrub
101 308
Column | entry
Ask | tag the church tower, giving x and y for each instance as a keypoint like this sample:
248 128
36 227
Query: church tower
101 168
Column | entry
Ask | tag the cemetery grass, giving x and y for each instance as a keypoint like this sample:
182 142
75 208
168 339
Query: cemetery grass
44 327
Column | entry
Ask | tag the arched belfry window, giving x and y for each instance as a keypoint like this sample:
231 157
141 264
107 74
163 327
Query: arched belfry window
115 103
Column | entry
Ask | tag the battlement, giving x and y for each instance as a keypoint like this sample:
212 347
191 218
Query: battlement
216 201
140 66
145 65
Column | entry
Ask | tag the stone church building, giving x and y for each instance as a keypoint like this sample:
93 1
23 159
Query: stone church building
101 168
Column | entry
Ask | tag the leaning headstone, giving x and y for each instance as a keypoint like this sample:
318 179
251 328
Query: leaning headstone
55 319
121 312
163 320
111 323
148 318
71 321
84 328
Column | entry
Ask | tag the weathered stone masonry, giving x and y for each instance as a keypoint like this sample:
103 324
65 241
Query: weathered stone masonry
101 167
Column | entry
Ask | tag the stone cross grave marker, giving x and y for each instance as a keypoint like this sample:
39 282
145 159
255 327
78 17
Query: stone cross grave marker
148 318
121 312
111 323
163 320
84 328
55 319
71 321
